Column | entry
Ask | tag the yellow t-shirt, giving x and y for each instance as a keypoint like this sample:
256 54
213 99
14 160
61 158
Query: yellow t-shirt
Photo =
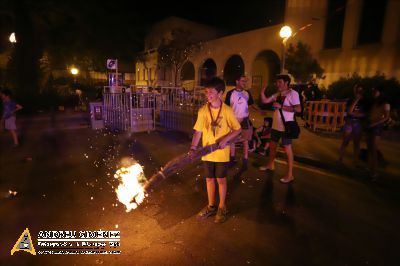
226 122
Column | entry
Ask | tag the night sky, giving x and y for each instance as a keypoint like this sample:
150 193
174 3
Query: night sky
95 22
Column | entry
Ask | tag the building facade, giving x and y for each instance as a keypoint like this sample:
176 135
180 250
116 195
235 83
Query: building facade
345 36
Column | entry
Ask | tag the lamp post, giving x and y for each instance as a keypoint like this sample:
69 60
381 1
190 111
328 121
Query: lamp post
74 71
285 34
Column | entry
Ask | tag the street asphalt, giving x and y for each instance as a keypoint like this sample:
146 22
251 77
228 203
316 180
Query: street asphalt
63 176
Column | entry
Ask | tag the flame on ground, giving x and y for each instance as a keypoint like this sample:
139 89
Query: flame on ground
130 190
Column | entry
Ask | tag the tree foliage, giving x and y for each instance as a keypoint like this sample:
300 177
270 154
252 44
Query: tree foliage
301 64
343 88
174 52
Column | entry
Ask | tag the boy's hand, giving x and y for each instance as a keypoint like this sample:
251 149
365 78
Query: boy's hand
222 144
192 149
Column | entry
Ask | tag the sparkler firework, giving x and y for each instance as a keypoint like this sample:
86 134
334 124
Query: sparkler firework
130 190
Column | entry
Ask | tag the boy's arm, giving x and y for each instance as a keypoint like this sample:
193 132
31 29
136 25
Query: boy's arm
232 135
195 140
352 106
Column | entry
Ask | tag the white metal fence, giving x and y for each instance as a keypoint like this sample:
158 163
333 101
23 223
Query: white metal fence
127 111
134 109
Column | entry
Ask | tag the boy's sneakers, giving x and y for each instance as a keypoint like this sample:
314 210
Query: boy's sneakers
207 212
221 215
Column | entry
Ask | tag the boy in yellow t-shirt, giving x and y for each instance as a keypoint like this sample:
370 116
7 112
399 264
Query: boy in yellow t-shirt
215 122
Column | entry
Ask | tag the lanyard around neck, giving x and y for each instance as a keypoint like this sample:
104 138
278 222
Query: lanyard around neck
214 123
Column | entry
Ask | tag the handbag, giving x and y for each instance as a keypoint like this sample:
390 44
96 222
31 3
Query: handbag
292 129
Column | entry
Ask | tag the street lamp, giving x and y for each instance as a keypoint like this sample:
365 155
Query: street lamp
12 38
74 71
285 34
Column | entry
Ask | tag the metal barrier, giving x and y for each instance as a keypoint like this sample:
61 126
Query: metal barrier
143 112
325 115
133 112
117 110
178 108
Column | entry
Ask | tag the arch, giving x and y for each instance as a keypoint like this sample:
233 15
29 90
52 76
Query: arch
234 68
187 72
207 70
265 67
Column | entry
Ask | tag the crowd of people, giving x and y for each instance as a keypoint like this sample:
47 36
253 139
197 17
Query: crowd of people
228 121
224 121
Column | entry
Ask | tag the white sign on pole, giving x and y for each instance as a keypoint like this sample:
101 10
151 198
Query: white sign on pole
112 63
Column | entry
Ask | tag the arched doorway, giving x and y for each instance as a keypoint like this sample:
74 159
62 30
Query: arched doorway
207 71
187 75
265 67
233 69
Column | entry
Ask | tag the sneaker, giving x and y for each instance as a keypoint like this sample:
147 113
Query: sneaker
207 212
221 215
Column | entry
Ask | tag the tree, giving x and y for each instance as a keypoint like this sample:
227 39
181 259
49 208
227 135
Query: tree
301 64
148 63
343 87
174 52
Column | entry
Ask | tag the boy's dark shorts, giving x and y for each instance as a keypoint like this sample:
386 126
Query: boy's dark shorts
215 169
247 128
276 135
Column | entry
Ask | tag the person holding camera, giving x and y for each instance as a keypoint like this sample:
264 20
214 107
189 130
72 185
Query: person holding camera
286 103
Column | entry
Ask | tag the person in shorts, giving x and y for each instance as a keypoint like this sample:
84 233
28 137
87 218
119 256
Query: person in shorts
8 119
215 123
240 100
353 127
288 101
